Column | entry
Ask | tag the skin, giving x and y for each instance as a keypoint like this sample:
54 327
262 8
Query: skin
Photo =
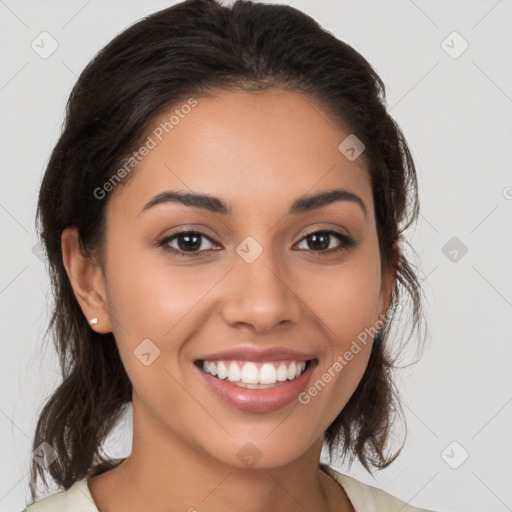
258 152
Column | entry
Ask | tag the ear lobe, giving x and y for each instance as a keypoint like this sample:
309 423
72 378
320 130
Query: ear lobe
87 280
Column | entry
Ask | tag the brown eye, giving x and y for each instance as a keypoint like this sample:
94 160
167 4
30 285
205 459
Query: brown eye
321 241
189 243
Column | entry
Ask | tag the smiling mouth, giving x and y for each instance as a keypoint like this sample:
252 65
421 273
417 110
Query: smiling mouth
255 375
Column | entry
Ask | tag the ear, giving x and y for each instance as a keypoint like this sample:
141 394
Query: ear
388 280
87 280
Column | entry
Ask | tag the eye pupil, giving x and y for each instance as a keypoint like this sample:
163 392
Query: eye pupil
315 238
188 237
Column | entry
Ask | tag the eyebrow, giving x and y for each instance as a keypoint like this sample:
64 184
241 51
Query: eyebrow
217 205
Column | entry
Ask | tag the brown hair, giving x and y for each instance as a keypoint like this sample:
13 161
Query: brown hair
189 49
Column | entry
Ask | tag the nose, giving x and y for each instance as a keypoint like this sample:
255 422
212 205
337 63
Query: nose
260 295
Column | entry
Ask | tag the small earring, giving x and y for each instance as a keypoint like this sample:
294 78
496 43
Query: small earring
93 321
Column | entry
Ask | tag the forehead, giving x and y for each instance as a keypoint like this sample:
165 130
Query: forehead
251 148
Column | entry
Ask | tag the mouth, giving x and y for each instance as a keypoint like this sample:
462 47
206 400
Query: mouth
255 375
256 387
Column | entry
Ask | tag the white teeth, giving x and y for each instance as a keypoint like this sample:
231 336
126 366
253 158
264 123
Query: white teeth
222 370
234 373
250 376
291 370
253 386
268 374
282 373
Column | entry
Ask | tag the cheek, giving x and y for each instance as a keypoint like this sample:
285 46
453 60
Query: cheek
152 297
345 303
156 301
344 298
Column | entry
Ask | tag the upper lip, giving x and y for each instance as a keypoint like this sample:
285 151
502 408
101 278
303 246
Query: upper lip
257 355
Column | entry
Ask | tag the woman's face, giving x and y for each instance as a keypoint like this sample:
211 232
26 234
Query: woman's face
248 279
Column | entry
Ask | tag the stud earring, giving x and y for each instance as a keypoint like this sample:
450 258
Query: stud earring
93 321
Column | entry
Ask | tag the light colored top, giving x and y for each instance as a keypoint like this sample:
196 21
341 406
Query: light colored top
364 497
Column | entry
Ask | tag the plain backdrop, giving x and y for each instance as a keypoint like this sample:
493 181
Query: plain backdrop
446 66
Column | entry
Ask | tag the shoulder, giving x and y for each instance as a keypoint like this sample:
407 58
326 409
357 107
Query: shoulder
75 499
367 498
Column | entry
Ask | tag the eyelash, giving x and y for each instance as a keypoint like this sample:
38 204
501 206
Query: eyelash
346 243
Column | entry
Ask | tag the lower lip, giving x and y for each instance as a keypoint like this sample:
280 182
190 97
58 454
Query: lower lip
258 400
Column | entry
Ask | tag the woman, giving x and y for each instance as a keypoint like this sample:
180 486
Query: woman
222 217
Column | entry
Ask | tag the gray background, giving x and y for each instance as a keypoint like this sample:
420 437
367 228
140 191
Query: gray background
455 111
